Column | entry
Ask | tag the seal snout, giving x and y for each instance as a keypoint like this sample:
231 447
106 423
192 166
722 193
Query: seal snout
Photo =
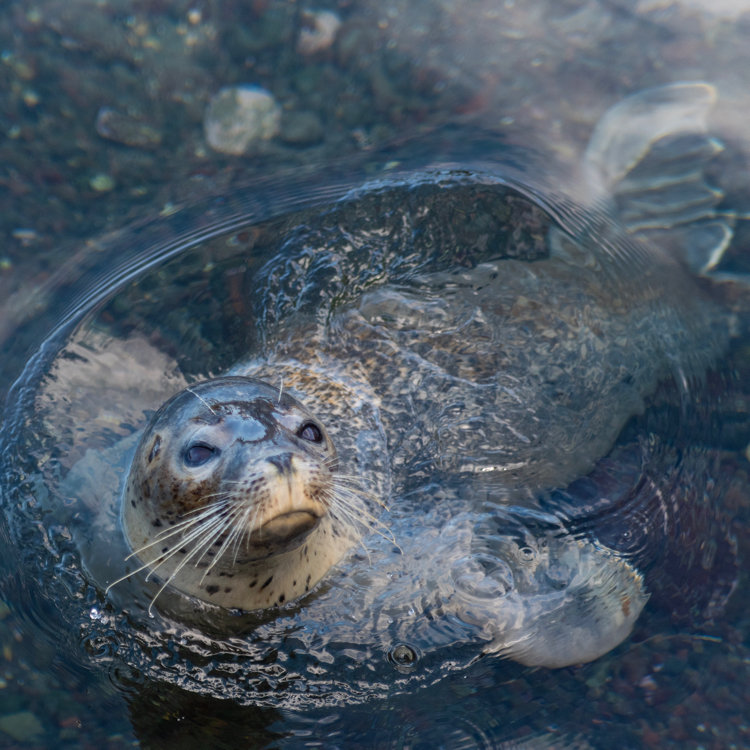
292 503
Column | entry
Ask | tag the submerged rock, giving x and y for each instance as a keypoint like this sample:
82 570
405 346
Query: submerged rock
319 33
125 129
22 726
301 128
240 118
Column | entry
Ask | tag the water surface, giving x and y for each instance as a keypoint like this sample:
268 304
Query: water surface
521 76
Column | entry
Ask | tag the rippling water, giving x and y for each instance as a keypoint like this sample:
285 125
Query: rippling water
390 651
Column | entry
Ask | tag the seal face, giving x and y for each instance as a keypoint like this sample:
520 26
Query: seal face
229 493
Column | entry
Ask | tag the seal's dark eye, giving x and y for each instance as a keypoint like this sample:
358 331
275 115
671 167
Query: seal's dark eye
199 453
310 431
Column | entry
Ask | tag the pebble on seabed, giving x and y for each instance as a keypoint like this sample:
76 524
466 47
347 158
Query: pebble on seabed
22 726
320 31
240 118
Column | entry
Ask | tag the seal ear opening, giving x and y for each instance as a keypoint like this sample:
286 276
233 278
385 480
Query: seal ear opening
155 448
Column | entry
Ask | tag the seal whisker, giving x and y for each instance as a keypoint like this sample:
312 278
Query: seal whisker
209 532
206 528
256 509
238 527
249 519
171 576
157 561
354 515
164 536
352 484
204 518
197 514
200 514
202 400
229 522
350 508
352 481
140 568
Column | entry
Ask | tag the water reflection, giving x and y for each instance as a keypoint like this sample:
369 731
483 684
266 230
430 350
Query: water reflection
644 679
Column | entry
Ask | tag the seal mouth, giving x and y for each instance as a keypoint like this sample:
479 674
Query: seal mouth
286 527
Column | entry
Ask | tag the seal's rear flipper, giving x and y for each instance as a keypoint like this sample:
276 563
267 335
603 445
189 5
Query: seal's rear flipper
647 158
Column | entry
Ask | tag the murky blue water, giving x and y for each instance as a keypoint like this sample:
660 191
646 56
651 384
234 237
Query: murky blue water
193 287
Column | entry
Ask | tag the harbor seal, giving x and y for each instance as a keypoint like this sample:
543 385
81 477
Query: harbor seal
479 400
498 371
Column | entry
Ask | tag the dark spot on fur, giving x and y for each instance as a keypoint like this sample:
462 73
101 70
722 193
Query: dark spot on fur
183 551
132 502
164 550
227 590
212 589
294 583
253 583
156 522
266 583
281 599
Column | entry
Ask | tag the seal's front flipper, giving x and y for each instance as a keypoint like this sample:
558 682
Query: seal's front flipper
581 621
544 597
648 158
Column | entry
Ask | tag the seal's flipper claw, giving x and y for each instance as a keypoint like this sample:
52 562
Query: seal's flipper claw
592 615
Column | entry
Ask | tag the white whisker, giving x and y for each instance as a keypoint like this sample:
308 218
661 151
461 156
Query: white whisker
347 503
207 533
202 400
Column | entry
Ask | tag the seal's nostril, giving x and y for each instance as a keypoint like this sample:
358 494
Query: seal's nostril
282 461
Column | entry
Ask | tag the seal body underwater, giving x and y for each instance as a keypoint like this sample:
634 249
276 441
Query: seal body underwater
454 409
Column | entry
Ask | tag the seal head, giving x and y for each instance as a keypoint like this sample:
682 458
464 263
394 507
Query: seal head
229 493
